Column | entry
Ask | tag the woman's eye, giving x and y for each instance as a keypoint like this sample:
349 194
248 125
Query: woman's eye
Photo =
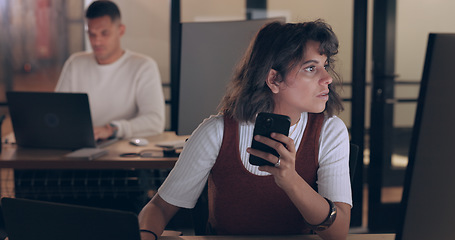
310 69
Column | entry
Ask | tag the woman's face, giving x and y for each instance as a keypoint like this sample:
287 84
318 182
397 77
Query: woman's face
306 87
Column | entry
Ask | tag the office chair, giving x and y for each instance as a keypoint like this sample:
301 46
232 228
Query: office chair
3 233
200 212
353 156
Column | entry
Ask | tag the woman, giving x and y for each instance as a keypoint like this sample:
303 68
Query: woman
286 70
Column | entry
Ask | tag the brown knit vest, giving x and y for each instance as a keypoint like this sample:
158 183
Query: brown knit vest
242 203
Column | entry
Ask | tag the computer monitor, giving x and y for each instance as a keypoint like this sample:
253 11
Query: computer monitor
428 197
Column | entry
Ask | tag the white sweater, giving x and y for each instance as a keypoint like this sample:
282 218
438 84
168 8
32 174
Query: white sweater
187 179
127 93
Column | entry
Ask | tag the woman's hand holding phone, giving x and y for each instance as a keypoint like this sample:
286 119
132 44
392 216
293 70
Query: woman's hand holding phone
277 146
265 125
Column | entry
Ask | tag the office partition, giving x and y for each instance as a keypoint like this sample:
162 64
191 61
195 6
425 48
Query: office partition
209 54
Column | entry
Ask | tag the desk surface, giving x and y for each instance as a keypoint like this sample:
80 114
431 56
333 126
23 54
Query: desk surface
299 237
16 157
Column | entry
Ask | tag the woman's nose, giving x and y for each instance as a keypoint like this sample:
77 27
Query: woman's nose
326 78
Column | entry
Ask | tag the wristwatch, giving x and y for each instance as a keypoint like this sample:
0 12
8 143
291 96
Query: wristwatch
329 220
114 130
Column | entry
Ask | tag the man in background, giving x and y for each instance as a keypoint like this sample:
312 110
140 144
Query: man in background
126 100
124 88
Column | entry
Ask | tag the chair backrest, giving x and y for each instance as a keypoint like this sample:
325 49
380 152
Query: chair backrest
201 212
353 156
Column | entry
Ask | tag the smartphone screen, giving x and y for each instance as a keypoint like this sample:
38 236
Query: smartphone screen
267 123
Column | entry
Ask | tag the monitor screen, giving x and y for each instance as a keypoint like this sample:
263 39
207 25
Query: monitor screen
429 195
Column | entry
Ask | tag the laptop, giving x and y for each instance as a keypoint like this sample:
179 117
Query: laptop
52 120
31 219
428 199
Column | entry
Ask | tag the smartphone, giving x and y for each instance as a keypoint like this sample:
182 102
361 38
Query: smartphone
267 123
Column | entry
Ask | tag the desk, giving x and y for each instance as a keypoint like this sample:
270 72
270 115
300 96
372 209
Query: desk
299 237
16 157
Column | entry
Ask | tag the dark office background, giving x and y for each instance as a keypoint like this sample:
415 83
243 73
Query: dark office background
382 51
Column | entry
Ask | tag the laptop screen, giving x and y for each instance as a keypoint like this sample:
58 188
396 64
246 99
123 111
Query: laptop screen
51 120
31 219
428 196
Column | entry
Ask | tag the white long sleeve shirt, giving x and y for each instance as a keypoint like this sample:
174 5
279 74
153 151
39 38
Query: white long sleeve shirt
127 93
187 179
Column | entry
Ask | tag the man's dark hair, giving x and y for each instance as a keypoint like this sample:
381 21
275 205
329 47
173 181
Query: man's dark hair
103 8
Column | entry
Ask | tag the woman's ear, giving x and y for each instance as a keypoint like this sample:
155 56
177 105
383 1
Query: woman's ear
273 80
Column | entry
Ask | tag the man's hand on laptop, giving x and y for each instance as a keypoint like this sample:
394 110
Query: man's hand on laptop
104 132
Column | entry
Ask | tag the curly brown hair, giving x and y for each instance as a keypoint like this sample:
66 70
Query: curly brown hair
278 46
